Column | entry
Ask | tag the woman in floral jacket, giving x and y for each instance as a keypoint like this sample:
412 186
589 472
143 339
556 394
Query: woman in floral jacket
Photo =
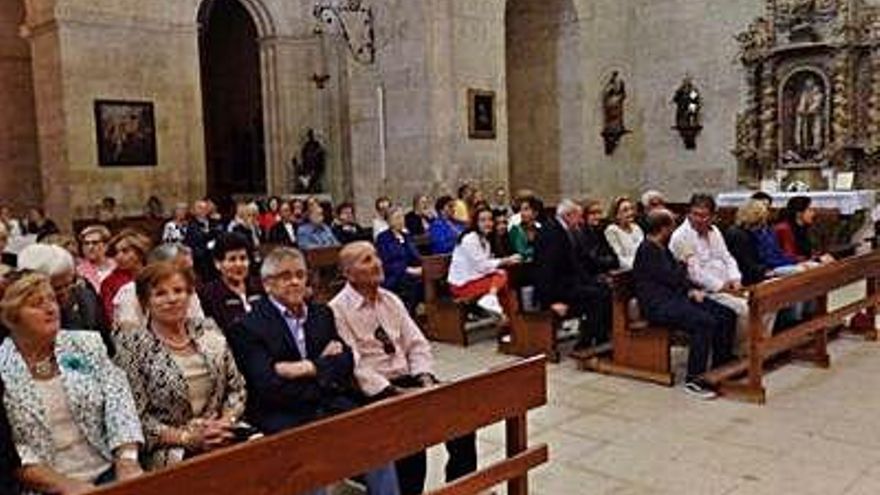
72 415
188 390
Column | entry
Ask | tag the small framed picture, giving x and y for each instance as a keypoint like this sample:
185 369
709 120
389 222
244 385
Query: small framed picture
126 133
843 181
481 114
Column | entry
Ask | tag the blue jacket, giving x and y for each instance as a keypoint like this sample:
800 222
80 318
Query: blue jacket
444 235
771 254
396 256
312 236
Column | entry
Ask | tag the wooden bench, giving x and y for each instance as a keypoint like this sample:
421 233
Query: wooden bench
325 278
344 446
778 294
639 349
445 315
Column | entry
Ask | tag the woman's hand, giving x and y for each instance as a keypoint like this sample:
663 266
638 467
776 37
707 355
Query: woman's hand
127 469
75 487
217 433
513 259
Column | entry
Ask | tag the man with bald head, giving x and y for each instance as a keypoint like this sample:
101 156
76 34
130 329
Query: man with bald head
667 297
390 353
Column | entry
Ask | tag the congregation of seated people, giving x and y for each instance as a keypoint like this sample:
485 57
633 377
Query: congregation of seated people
204 333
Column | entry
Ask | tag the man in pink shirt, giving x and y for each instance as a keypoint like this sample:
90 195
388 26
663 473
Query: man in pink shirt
391 354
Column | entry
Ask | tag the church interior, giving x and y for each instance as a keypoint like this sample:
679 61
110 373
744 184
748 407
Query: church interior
620 247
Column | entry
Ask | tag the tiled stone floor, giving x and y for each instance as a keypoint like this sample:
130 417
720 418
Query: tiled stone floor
819 432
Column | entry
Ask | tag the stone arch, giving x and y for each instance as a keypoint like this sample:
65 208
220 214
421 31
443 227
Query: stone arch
544 94
260 14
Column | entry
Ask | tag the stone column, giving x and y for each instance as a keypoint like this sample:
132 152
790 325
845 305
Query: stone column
841 116
41 29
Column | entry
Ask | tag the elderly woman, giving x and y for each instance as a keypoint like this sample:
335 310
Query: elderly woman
129 249
403 265
79 303
95 265
129 313
316 233
624 234
188 390
597 254
73 418
418 221
246 223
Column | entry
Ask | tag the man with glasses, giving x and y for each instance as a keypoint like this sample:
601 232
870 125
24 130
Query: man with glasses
95 265
391 354
297 368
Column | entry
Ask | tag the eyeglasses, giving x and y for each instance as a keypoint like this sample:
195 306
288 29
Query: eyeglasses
387 345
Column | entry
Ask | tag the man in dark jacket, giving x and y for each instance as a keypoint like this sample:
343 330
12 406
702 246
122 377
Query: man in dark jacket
667 298
562 282
297 368
283 233
200 237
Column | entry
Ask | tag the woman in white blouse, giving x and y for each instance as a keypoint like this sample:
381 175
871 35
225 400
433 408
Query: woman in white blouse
475 274
624 234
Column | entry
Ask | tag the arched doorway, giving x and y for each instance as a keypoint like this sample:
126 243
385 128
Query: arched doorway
232 99
544 94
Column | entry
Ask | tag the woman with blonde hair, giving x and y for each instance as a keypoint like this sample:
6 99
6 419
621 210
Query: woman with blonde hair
624 234
73 418
753 244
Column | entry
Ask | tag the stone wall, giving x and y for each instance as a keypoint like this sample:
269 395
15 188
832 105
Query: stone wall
19 169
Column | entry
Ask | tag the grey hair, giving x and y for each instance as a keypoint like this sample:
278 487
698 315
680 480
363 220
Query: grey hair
566 206
652 194
167 252
47 259
273 260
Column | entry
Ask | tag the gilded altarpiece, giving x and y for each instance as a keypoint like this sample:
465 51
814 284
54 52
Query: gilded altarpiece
812 108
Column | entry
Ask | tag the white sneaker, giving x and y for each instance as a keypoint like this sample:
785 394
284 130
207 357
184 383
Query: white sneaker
699 389
490 303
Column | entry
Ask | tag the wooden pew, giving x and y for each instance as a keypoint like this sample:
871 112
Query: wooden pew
639 350
325 279
343 446
777 294
445 316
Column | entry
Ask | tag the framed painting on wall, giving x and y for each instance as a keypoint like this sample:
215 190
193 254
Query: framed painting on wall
481 114
126 133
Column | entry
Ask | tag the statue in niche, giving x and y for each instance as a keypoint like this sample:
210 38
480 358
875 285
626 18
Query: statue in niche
688 103
309 169
804 118
613 97
808 118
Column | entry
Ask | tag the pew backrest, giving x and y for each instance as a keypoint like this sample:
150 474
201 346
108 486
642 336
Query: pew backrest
346 445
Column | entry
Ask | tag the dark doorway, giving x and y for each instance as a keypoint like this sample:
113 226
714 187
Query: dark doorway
232 99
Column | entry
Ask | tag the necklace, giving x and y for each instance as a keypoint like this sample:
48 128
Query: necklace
44 368
176 345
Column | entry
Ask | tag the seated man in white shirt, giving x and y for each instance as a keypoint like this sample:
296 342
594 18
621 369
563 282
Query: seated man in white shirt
391 355
711 267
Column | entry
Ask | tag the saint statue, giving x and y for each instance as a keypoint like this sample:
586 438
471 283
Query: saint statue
309 169
613 96
808 119
688 103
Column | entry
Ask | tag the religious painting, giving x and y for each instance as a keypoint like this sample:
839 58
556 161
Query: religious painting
805 112
126 133
481 114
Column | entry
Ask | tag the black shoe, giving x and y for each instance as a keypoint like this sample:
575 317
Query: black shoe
698 388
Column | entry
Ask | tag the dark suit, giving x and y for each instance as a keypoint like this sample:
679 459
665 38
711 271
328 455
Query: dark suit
261 339
223 305
596 254
198 235
661 286
9 460
561 277
279 235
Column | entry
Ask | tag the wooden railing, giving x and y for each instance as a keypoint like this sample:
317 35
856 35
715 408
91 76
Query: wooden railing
344 446
775 295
